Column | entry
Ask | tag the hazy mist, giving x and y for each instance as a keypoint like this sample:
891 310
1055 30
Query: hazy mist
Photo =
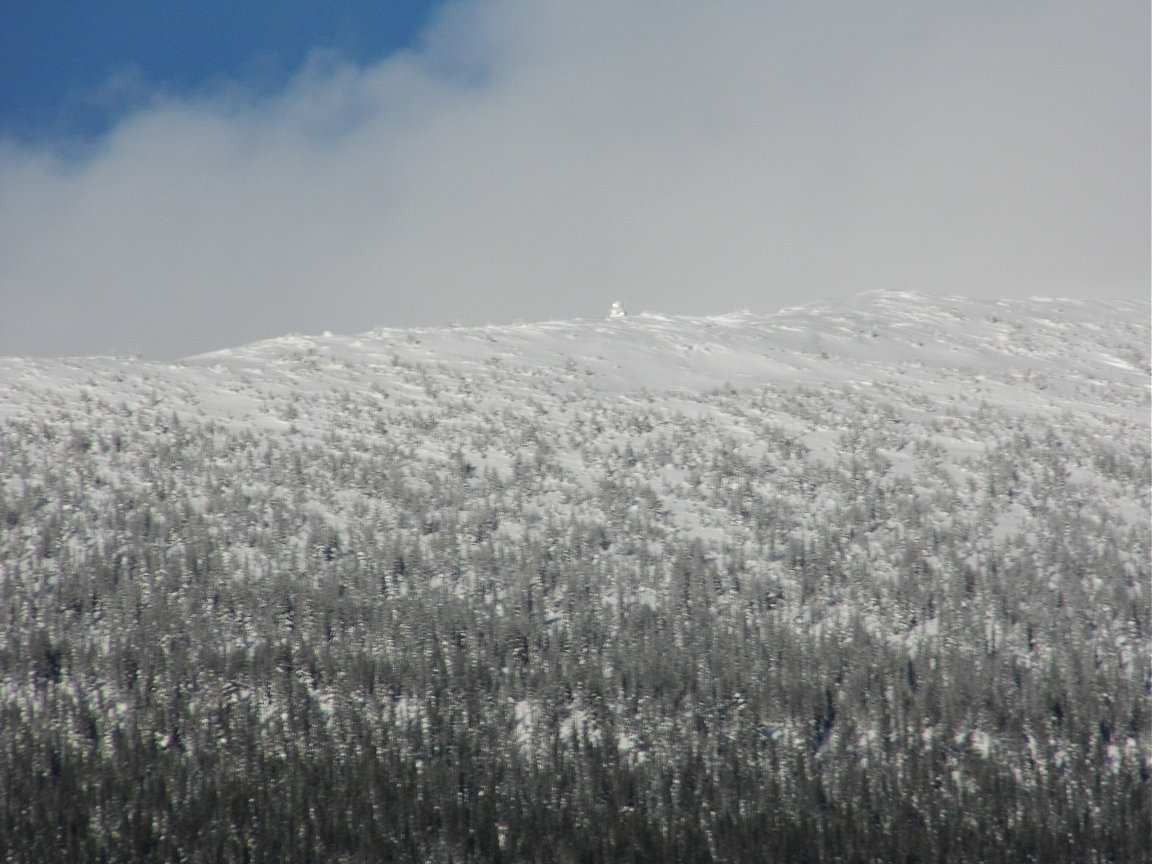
534 161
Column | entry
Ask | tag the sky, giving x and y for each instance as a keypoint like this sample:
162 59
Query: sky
178 177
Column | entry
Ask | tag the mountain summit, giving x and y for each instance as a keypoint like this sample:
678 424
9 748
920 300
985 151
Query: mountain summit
1066 354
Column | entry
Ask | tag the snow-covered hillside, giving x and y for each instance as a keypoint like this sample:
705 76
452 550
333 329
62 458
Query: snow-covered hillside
1055 354
746 553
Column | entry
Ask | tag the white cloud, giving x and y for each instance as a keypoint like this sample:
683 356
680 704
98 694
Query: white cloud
540 160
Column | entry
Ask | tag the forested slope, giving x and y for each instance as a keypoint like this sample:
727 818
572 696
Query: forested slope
865 582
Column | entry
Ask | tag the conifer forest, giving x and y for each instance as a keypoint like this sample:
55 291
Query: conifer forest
870 586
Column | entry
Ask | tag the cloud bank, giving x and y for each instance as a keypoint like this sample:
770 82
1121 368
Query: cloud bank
533 160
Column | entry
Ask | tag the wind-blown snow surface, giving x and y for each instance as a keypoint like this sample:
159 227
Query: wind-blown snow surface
1053 354
953 492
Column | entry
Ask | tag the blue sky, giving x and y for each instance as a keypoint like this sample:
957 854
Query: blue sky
70 67
182 176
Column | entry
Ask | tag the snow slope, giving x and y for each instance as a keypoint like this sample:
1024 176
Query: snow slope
939 393
951 373
1036 355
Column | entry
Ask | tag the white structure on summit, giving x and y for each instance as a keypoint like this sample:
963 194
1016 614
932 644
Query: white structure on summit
617 310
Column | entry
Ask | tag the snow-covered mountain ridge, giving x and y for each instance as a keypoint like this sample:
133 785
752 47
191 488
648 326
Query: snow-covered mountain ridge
681 578
1039 355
